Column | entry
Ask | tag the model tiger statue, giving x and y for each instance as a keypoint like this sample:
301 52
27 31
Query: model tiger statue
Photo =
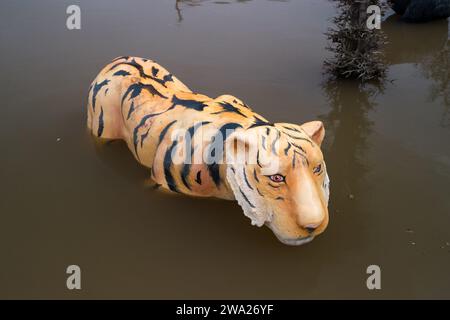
281 180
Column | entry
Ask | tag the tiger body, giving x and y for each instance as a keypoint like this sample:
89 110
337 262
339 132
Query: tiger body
138 101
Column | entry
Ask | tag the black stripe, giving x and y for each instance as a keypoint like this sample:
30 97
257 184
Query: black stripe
131 110
164 131
121 73
246 180
136 88
185 171
190 104
259 122
224 131
292 129
299 147
142 73
184 174
302 156
290 135
190 135
198 179
259 192
166 78
255 176
275 141
298 138
257 159
167 164
240 103
246 199
133 64
155 71
101 124
287 148
227 107
136 129
96 89
304 139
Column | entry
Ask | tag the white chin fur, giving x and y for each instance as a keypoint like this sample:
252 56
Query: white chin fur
295 242
252 206
290 242
326 187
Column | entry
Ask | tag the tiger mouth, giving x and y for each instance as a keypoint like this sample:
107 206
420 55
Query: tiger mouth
295 242
291 242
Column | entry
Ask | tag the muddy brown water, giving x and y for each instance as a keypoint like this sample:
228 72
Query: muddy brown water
65 201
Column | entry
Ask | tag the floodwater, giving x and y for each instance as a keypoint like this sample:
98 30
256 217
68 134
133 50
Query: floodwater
65 201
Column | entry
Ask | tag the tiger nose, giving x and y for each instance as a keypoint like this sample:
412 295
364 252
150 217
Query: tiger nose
311 227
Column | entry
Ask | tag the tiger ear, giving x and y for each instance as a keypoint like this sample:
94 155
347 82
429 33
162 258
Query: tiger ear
315 130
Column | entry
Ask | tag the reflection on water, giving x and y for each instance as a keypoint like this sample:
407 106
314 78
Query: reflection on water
411 43
436 68
348 126
427 46
67 200
193 3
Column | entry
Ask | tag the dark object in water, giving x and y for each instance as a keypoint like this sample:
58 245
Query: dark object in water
356 48
421 10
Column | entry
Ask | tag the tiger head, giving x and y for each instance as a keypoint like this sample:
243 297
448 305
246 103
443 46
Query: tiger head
279 178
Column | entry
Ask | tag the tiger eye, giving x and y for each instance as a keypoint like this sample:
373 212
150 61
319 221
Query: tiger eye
277 178
317 169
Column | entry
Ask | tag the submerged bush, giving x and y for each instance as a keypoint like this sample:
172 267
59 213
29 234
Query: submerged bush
355 48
